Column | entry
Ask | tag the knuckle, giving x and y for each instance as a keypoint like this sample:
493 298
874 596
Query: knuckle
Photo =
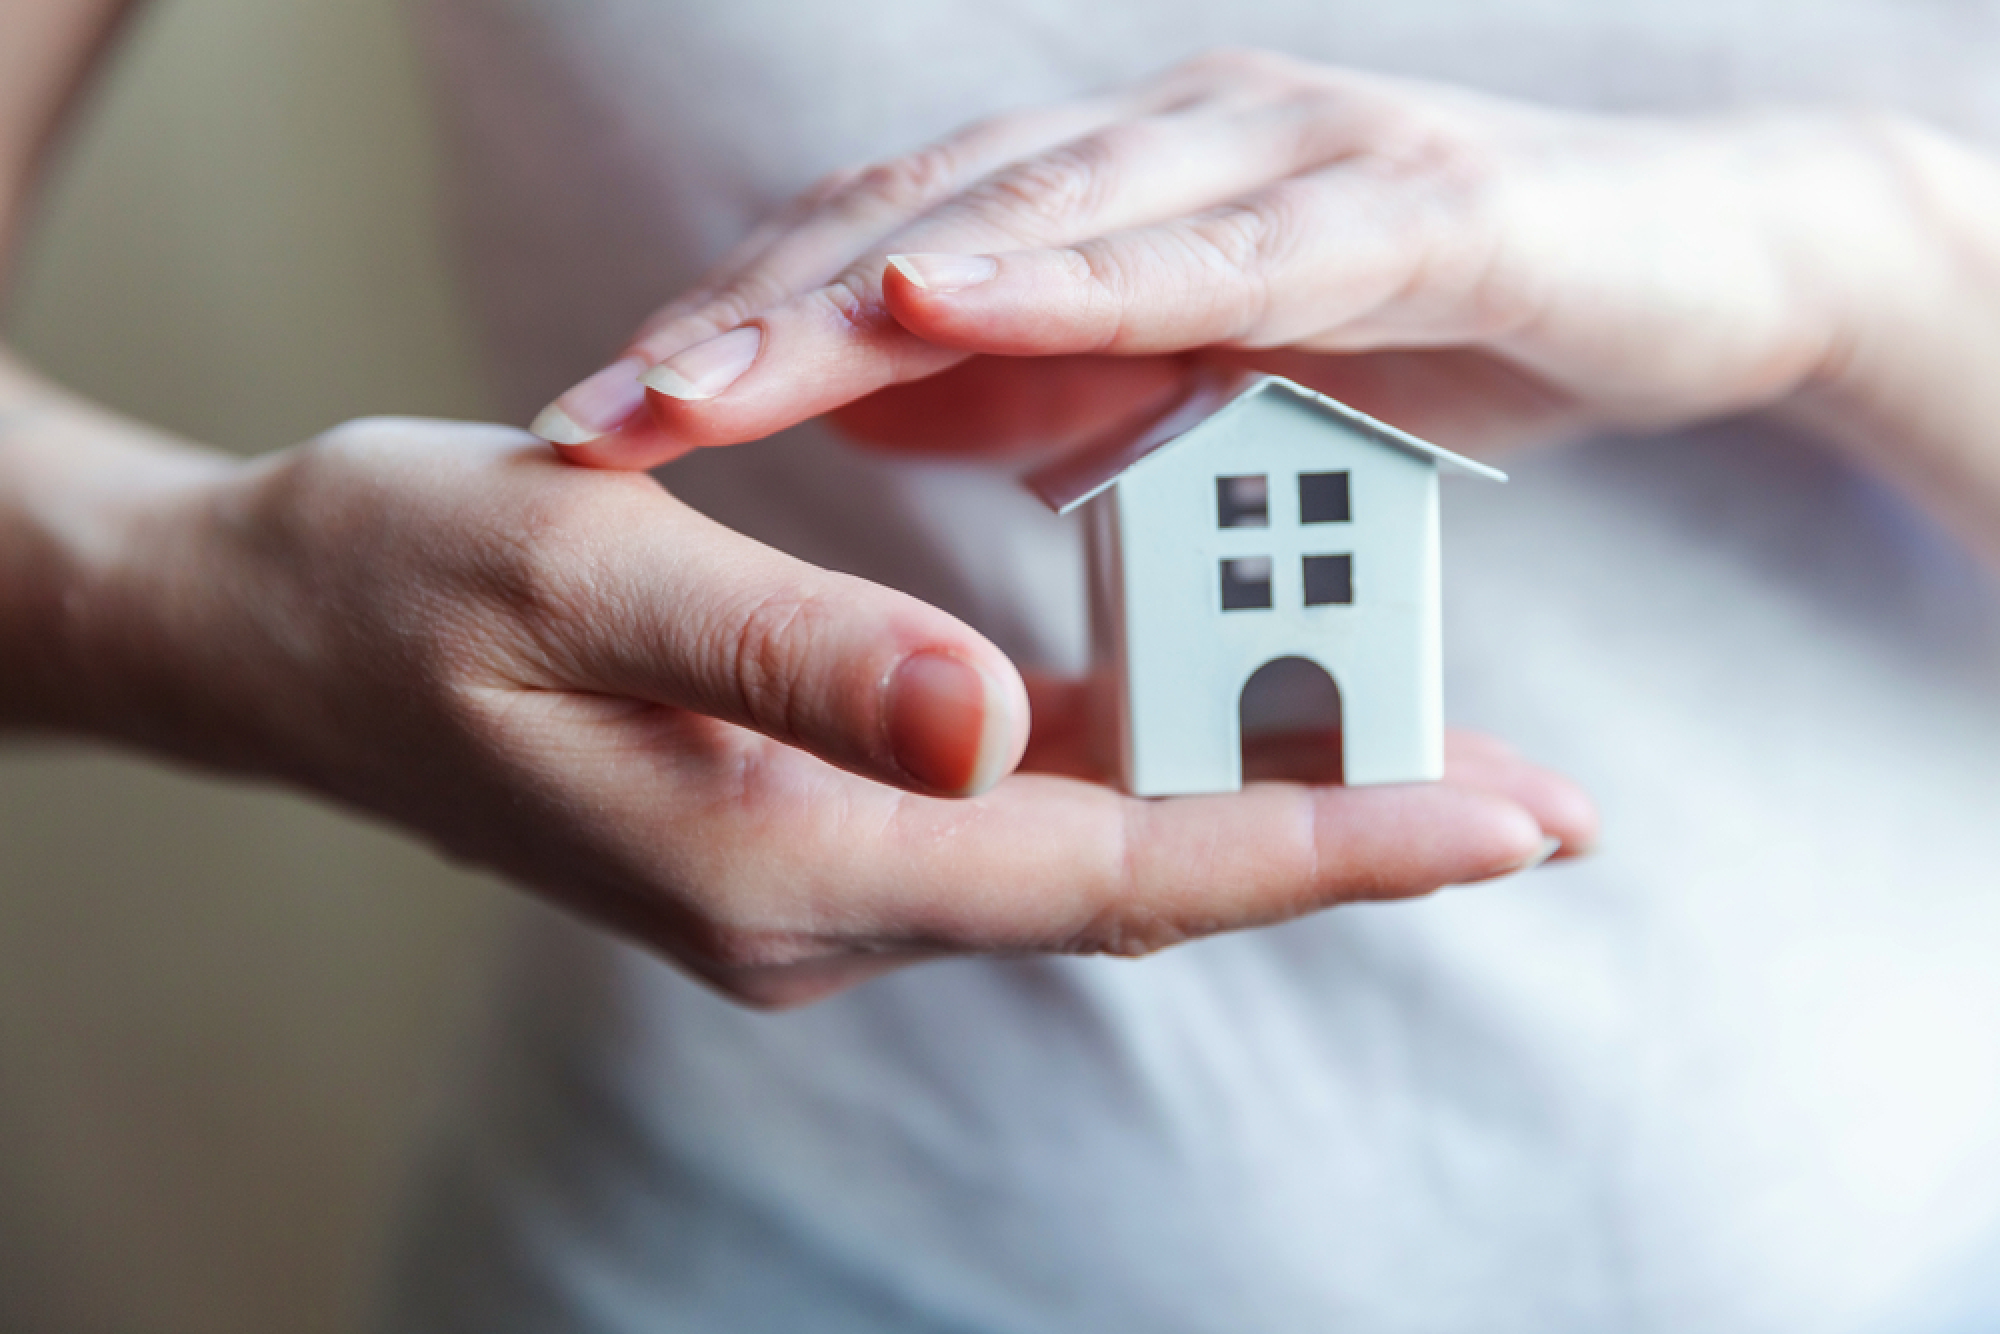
1091 263
1457 165
1107 275
711 313
1130 922
786 987
739 956
1243 66
1236 248
1062 185
355 434
909 183
1128 931
1499 299
1235 238
756 991
770 642
1112 276
979 140
1455 195
1440 148
854 301
764 967
749 295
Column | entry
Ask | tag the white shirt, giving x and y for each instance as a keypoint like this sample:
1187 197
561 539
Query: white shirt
1740 1071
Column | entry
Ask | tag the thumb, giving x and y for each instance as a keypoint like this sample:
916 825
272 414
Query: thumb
688 614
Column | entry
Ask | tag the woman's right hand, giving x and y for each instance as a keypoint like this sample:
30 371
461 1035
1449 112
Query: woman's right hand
786 779
1478 271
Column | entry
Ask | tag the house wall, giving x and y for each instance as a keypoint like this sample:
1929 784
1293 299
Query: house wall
1188 659
1110 722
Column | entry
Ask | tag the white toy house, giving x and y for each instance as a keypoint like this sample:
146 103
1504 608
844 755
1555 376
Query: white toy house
1256 521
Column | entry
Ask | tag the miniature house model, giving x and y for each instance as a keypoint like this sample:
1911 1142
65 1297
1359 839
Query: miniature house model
1256 521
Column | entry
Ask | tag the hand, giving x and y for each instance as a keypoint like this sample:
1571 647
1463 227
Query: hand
745 762
1474 270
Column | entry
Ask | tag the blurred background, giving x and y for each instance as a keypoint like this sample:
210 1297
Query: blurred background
225 1013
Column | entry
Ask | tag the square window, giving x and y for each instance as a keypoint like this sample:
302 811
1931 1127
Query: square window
1243 502
1323 498
1329 580
1246 584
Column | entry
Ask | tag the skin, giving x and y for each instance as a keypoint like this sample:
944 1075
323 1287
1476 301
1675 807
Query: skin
565 674
1478 271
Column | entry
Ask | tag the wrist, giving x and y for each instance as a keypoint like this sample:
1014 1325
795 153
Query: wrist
100 534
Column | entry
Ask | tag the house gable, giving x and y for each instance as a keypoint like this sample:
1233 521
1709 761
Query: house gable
1180 550
1211 400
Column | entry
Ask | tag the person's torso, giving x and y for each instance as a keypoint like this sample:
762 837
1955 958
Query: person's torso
1741 1070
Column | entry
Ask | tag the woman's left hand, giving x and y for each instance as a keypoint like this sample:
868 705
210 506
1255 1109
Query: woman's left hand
1468 268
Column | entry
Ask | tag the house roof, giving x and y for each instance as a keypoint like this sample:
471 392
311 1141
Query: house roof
1074 478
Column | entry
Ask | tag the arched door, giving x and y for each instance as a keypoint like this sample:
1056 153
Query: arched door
1289 723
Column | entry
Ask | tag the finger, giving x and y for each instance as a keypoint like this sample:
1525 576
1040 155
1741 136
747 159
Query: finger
806 357
997 406
845 215
597 422
671 608
1139 171
804 880
1212 125
1045 863
1049 864
1340 259
1066 740
825 348
1563 810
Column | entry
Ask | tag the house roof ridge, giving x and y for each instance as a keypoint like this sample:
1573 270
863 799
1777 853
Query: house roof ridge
1076 476
1389 434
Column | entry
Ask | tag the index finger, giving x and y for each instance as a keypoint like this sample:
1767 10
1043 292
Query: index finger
806 246
817 350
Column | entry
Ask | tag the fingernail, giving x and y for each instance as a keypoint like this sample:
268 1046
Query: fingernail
1548 848
706 369
948 725
596 407
945 273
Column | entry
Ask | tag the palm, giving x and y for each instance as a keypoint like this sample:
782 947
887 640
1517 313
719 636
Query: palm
1465 399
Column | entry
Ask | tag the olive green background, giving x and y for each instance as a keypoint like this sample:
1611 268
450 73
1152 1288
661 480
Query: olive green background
226 1013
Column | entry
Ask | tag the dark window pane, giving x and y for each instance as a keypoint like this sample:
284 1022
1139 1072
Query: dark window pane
1323 497
1246 583
1243 502
1329 580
